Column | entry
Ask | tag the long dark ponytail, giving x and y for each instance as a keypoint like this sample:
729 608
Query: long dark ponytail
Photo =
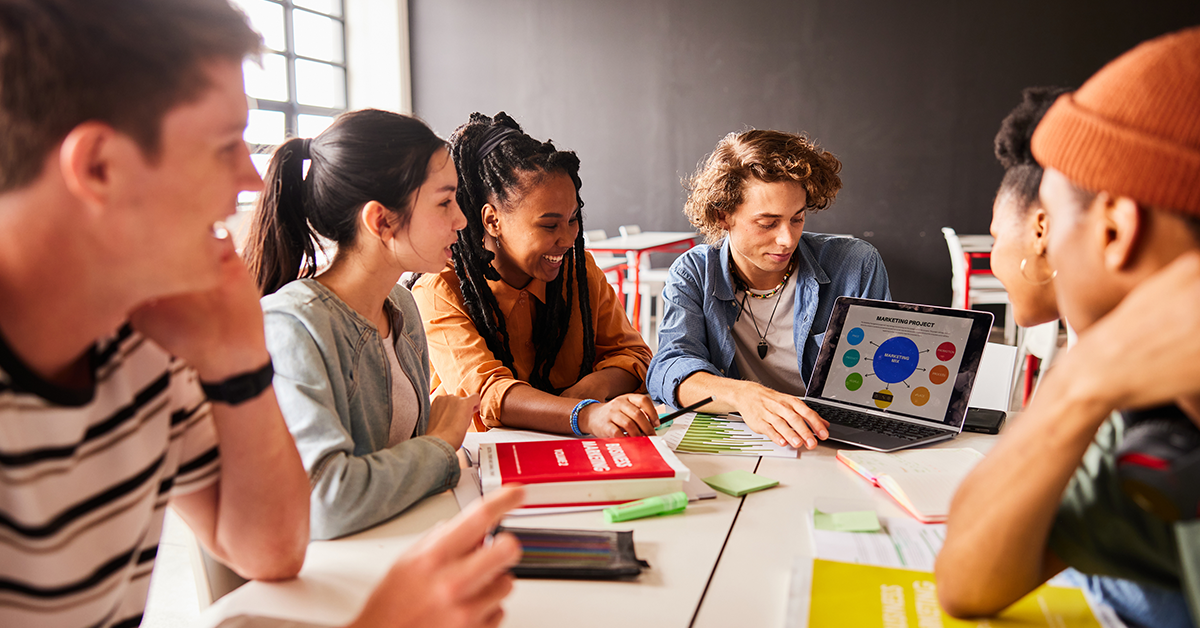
496 174
365 155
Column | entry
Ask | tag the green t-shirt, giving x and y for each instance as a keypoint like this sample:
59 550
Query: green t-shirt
1100 530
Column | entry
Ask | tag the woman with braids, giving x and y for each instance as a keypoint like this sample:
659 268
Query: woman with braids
351 362
744 315
523 316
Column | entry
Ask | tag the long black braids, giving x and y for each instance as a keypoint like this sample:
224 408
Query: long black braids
506 168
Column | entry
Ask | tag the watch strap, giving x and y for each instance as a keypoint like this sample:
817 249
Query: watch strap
240 388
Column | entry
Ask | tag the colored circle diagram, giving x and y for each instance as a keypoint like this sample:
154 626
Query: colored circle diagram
946 351
850 358
896 359
938 374
855 336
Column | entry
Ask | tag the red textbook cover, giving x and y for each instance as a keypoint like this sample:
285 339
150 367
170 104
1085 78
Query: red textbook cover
583 471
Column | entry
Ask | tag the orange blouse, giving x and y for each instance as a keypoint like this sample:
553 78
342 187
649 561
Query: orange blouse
462 364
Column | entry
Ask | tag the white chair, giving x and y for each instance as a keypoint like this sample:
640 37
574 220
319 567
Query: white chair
652 281
607 261
595 235
1035 350
976 289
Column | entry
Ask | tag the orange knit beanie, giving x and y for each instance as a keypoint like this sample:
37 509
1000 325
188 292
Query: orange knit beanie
1133 129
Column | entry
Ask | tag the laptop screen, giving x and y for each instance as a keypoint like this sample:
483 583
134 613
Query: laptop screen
913 360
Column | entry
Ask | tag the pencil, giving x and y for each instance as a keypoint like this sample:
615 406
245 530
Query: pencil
682 411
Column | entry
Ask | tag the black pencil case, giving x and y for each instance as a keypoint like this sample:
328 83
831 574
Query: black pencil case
576 554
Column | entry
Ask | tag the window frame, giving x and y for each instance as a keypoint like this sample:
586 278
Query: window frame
292 109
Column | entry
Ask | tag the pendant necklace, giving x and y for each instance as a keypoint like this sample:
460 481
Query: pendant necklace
762 335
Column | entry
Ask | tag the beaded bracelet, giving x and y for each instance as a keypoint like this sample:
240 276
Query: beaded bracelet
575 415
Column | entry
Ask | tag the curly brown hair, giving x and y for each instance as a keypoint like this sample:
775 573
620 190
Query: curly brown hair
719 184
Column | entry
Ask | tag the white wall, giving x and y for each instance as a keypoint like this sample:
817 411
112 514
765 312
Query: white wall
377 55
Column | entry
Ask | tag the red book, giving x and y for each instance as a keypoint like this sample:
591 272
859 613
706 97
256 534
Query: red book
588 471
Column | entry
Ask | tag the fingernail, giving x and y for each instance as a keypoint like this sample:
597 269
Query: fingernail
811 443
824 434
796 443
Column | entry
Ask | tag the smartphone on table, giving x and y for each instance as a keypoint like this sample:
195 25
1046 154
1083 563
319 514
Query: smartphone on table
984 420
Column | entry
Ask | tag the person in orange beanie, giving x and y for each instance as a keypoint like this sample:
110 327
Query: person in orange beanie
1102 473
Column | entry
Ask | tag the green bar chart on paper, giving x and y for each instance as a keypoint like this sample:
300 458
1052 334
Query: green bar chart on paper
707 434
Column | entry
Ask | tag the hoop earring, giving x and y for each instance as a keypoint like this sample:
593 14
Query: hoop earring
1036 283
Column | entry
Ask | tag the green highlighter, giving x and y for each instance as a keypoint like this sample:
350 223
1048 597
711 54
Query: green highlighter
669 504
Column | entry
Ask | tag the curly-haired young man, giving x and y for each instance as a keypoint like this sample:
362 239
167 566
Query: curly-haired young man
726 331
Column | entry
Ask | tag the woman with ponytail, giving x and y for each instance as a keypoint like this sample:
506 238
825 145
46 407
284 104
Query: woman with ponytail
351 362
523 316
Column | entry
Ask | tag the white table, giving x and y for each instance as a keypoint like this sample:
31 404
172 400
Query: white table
750 584
746 546
638 244
682 550
608 264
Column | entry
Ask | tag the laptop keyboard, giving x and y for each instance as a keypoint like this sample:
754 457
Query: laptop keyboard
897 429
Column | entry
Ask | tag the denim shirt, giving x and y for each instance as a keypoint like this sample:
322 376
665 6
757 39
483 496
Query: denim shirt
699 309
333 382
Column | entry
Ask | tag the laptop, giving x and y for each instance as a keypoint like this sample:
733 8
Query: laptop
896 375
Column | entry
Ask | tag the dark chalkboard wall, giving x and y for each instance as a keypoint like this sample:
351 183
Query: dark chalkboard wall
907 94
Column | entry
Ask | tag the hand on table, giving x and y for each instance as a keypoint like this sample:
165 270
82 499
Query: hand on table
627 415
783 418
450 417
451 579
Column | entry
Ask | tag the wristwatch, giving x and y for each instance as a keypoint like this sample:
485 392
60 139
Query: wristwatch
240 388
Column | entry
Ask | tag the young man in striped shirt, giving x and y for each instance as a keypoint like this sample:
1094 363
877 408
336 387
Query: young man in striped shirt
133 368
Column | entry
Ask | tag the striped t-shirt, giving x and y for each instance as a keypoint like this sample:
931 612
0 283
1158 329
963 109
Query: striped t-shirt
85 477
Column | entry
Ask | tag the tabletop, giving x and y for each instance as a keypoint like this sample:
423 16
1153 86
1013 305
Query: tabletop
642 241
724 562
772 530
682 550
610 263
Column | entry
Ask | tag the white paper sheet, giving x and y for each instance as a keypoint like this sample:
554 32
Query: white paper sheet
903 543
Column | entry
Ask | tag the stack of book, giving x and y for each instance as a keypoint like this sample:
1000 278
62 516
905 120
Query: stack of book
583 472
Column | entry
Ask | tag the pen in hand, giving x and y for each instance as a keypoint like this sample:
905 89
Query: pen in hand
682 411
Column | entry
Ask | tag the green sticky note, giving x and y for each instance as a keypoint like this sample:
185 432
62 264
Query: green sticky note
858 521
738 483
663 427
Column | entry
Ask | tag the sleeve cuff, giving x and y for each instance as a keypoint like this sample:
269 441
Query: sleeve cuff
665 387
492 400
453 471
